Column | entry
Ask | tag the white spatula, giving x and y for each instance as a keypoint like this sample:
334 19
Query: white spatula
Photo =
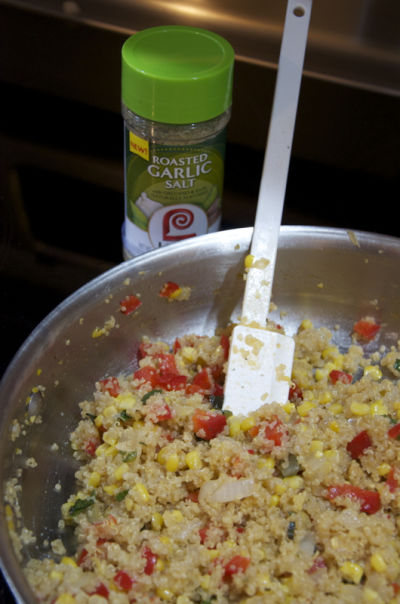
260 361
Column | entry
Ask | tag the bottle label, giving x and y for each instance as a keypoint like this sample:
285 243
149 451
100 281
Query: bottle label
172 193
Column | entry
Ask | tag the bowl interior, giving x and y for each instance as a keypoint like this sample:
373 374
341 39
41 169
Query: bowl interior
326 275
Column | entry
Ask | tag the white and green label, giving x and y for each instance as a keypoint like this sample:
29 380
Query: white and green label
171 192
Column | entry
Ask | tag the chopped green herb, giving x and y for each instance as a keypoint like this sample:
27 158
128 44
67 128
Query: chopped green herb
90 416
80 505
125 416
397 364
142 443
129 456
227 413
291 529
121 495
216 401
146 397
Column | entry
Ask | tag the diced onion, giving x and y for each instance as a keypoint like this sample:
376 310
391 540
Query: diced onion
307 544
230 490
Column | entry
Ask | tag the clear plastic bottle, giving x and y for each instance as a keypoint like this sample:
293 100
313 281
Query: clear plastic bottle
176 104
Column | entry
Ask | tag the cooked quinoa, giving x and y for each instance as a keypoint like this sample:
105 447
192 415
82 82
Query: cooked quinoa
177 501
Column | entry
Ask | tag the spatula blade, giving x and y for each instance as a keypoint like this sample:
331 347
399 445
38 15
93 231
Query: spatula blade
260 366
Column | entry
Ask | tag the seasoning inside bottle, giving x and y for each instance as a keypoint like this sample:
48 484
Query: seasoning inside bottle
176 104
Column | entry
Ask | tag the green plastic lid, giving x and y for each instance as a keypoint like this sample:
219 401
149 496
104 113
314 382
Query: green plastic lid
177 74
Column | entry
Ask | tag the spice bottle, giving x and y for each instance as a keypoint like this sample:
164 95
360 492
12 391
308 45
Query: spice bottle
176 104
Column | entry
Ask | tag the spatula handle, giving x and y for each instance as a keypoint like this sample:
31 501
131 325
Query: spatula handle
277 157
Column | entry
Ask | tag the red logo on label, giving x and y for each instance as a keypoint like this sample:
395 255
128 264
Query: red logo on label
177 220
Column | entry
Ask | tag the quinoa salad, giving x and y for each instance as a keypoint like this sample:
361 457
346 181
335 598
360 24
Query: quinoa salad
179 501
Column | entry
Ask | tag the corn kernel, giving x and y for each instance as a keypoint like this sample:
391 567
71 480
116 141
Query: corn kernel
172 462
193 460
205 582
111 451
359 408
101 449
396 405
247 423
98 420
263 581
10 518
212 554
248 261
274 501
373 372
164 594
289 408
334 426
142 491
125 400
320 374
121 470
305 408
325 398
316 445
234 425
229 543
378 408
171 517
352 572
294 482
162 455
330 353
110 489
266 462
175 294
331 454
65 599
336 408
306 324
183 600
384 469
69 561
94 479
156 521
280 488
371 596
56 575
160 564
109 439
378 563
110 411
189 354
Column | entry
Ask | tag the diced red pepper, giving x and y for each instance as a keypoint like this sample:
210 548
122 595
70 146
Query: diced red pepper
208 424
391 480
177 345
394 431
369 501
396 588
203 534
143 349
164 413
151 560
202 382
100 590
367 330
83 556
129 304
123 580
146 374
340 376
274 431
110 385
168 288
217 390
295 393
91 447
166 363
359 444
237 564
224 341
318 563
170 381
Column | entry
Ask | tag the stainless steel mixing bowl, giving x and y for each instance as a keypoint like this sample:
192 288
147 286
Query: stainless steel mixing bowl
327 275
